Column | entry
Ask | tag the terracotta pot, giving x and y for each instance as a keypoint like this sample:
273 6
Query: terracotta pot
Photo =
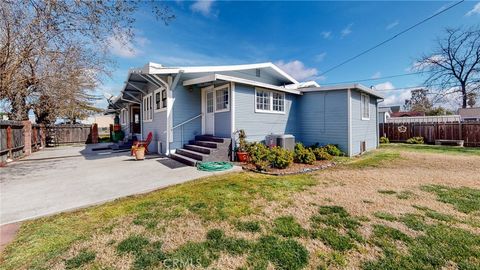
140 153
242 156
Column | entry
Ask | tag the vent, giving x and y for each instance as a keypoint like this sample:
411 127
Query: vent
257 72
363 147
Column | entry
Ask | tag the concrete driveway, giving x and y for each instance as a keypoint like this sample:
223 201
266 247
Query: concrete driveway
66 178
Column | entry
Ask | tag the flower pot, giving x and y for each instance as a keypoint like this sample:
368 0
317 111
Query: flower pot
140 153
242 156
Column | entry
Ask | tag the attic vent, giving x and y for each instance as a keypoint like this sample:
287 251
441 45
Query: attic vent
257 72
363 146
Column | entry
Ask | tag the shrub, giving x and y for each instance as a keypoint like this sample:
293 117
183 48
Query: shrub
321 153
333 150
384 139
259 156
280 158
416 140
304 155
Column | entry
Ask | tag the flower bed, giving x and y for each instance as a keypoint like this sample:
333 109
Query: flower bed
295 168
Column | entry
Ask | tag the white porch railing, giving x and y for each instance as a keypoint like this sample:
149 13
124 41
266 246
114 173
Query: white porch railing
182 124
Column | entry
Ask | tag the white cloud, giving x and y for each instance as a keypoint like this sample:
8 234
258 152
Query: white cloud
320 57
125 48
347 30
298 70
326 34
392 25
203 7
474 11
376 75
384 86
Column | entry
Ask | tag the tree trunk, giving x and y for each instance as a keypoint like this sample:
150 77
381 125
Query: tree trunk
19 110
464 95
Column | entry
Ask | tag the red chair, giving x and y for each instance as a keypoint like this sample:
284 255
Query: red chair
142 143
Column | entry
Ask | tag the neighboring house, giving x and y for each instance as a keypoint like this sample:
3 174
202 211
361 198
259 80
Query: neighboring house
469 114
179 104
426 119
407 114
383 114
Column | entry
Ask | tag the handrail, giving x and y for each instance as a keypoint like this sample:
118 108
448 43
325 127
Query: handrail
186 121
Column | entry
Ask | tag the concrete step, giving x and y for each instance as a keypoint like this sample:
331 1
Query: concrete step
198 148
191 154
209 138
205 144
183 159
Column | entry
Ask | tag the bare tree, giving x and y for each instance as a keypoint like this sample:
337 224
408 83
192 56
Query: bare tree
51 48
454 67
418 102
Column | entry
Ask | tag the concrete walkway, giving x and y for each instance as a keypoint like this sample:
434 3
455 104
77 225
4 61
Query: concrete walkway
66 178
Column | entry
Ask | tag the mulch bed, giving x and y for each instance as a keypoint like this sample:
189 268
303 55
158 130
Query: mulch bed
295 168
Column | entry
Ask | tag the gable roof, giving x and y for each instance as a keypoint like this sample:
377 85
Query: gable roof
153 68
469 112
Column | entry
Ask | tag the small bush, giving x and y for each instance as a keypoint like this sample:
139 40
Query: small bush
321 154
416 140
259 156
333 150
304 155
280 158
384 139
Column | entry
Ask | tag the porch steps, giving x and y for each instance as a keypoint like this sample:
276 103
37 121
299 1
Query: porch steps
203 148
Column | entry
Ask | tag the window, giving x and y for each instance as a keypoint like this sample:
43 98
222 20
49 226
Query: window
123 116
269 101
221 96
148 108
209 102
263 100
160 100
365 107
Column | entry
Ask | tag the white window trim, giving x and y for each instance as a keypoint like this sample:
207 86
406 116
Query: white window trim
123 117
367 97
221 87
144 111
162 109
270 97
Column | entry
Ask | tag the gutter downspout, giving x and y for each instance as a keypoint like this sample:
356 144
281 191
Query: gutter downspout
349 109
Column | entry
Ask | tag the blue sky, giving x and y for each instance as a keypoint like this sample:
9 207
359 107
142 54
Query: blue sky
303 38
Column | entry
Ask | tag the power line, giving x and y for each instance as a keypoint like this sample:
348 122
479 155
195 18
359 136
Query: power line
376 79
391 38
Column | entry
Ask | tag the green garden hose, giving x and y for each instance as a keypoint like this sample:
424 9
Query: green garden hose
214 166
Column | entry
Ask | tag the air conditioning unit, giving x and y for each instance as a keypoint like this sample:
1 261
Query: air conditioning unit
286 141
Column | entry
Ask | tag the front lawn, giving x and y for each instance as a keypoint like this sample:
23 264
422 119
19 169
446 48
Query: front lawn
399 207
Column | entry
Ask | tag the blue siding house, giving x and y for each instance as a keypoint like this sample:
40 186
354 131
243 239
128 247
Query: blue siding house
181 105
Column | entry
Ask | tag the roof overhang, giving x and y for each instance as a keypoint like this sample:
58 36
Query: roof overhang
219 77
355 86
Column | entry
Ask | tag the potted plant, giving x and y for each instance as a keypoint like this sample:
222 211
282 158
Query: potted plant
242 154
139 152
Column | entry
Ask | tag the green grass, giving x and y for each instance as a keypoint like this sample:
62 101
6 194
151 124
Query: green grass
83 257
287 226
214 198
464 199
374 159
332 259
336 217
334 239
385 216
387 191
248 226
434 149
133 244
405 195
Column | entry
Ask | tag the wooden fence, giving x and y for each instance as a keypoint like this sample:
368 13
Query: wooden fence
400 132
11 140
68 134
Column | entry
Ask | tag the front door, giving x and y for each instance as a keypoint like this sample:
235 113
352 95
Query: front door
209 112
135 122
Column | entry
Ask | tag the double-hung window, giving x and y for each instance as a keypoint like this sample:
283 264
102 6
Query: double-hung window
123 116
222 99
160 100
147 108
269 101
365 106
